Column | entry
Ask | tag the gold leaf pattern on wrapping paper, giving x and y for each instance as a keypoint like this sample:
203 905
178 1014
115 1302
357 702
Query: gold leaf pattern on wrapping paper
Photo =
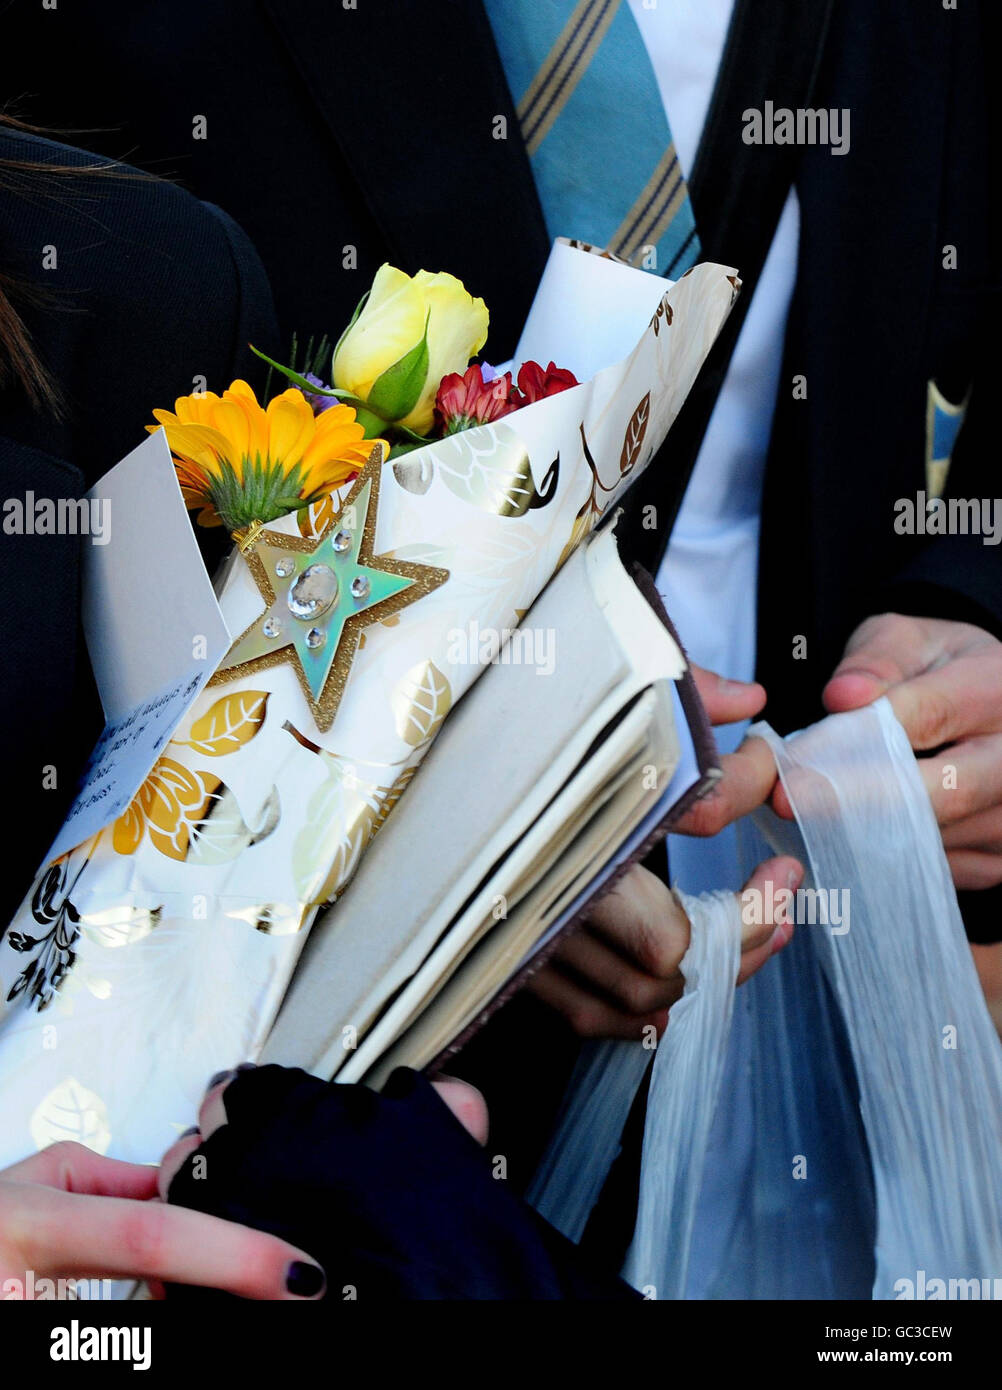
590 511
229 724
118 926
392 796
342 816
420 703
368 816
635 432
70 1111
665 311
190 816
491 473
222 834
353 840
495 476
584 522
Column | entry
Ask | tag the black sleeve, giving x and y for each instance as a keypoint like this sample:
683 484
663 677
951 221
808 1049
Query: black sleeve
252 307
386 1191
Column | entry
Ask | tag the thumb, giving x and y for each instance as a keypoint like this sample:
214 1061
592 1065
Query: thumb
727 701
765 931
852 687
881 653
466 1103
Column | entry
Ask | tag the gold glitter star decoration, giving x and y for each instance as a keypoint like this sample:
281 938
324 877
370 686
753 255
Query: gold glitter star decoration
321 594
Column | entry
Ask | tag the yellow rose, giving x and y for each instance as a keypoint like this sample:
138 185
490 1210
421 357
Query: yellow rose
409 333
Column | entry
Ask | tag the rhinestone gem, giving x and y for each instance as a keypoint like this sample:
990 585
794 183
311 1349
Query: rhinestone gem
316 637
342 542
271 627
284 567
313 592
360 587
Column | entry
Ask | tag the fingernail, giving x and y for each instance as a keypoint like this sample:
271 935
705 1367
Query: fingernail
794 877
219 1077
727 685
189 1132
304 1280
247 1066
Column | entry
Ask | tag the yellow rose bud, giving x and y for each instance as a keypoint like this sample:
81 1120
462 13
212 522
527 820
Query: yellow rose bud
410 333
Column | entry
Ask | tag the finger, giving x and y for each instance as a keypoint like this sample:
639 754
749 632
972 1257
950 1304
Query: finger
752 961
979 832
467 1104
973 870
964 779
748 780
587 1014
108 1237
644 922
763 905
727 701
74 1168
635 991
170 1164
935 706
882 652
953 702
212 1111
851 689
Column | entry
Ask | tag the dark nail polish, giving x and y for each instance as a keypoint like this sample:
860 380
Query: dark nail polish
247 1066
304 1280
189 1132
219 1076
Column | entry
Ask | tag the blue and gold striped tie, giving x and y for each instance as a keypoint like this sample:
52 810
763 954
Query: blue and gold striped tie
594 126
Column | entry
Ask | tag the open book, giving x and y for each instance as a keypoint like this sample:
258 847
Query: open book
544 785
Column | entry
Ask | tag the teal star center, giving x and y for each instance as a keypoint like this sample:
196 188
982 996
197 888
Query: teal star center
316 592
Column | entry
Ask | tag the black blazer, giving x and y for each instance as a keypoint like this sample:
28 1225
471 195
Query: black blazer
149 287
343 137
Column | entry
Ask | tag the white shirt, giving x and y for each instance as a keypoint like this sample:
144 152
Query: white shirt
709 573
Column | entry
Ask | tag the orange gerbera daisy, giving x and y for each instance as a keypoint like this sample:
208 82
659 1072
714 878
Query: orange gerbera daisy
238 462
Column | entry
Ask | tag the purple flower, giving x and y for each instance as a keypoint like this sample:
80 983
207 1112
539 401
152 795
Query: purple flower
318 403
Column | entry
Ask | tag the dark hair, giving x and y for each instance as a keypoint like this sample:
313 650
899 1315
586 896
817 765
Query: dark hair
20 363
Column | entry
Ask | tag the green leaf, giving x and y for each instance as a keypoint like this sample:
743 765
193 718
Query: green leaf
416 439
397 391
301 381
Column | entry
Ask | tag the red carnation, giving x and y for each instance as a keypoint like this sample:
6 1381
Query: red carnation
468 400
536 384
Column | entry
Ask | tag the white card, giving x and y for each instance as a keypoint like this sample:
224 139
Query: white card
588 311
154 631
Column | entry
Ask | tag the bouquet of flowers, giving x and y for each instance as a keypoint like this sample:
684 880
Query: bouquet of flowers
393 494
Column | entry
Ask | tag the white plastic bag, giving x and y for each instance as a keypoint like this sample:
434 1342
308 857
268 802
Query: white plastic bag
889 1011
